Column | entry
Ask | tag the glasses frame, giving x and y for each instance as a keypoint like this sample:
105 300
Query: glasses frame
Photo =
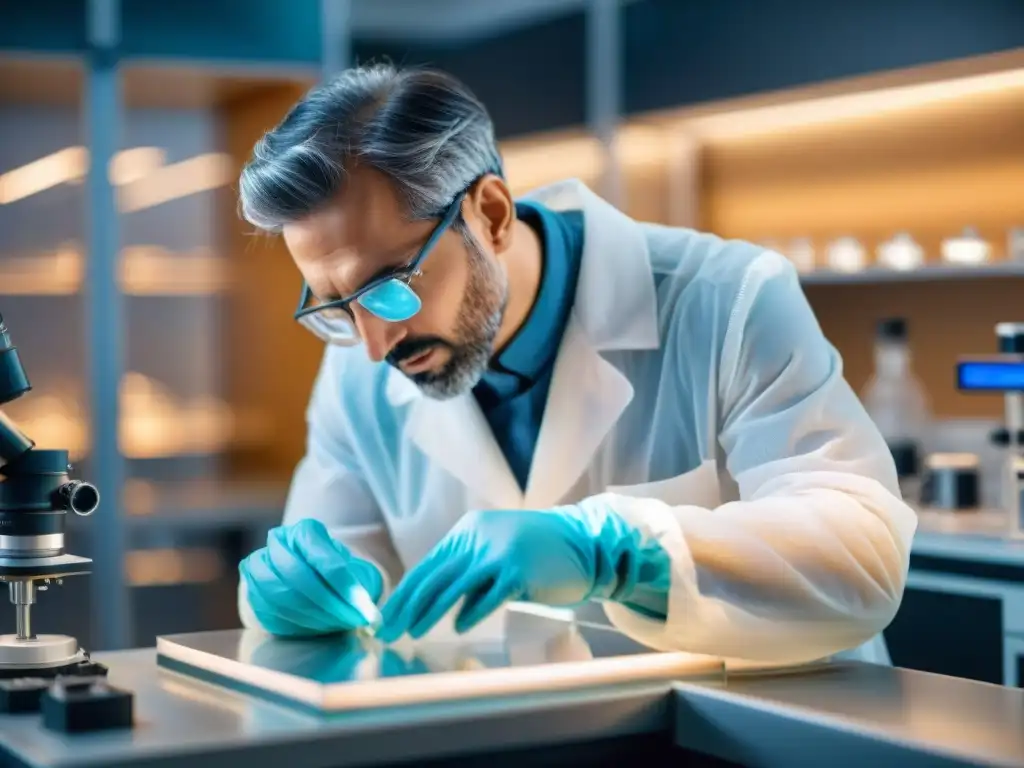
405 273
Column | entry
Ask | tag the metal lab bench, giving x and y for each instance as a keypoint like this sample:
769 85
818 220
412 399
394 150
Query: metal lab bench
848 714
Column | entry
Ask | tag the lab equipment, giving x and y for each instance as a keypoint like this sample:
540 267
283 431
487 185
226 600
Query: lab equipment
846 254
36 493
951 481
692 367
338 673
303 582
22 694
84 704
801 253
901 252
967 249
1015 244
1004 373
896 402
559 557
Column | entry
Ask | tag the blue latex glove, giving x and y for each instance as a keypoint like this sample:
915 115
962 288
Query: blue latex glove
559 557
305 583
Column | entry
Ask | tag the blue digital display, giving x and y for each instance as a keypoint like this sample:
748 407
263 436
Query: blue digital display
990 376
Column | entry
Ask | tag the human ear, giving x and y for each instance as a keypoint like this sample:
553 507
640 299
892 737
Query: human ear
490 203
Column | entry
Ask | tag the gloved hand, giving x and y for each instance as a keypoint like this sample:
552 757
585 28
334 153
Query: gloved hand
305 583
559 557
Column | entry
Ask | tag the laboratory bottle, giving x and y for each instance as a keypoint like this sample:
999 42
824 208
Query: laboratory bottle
896 402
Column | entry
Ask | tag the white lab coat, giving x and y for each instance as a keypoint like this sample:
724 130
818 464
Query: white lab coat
695 393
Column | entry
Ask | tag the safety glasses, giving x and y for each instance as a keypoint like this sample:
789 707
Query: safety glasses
389 297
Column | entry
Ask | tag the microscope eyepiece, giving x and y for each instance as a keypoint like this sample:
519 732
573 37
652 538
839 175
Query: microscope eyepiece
80 497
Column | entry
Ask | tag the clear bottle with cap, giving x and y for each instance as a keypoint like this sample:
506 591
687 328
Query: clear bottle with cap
896 402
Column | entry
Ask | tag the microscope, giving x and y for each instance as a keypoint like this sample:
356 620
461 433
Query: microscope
1003 373
36 494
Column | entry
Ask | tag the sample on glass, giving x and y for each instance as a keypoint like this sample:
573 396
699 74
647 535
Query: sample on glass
353 671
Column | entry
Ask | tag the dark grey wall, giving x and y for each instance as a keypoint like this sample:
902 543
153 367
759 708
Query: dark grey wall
679 52
676 51
686 51
530 79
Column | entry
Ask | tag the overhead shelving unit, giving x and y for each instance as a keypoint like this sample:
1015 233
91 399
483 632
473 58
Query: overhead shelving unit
929 272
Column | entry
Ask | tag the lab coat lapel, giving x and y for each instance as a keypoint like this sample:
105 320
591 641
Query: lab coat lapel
454 435
586 398
615 308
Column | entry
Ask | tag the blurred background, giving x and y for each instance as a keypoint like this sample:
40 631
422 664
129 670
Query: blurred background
878 145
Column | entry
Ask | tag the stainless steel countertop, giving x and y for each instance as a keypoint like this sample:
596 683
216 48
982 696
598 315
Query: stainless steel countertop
854 714
847 714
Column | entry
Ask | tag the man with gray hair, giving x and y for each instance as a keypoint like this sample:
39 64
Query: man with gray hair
544 400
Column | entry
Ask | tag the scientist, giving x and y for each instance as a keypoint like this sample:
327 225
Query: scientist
544 400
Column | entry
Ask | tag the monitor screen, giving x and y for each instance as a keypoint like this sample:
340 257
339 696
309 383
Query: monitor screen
990 375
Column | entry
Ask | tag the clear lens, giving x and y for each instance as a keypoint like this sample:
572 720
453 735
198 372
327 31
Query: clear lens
334 327
393 301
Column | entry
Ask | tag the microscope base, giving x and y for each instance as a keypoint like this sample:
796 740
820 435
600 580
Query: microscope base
41 653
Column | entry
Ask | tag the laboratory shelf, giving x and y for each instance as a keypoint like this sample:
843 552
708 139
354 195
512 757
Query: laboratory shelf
930 272
216 503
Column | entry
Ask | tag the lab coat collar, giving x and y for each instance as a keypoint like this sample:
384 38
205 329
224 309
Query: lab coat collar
615 305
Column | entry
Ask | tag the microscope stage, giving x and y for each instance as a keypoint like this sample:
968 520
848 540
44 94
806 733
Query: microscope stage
13 568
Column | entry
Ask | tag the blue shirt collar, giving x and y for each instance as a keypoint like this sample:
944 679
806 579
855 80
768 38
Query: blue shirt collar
532 350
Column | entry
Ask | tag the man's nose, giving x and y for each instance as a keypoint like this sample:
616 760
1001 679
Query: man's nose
379 336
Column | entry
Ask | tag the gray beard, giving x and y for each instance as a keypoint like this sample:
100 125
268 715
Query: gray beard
465 367
483 309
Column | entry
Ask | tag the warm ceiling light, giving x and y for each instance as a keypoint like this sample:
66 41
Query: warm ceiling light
155 271
534 163
639 145
69 166
134 164
66 165
739 123
170 182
